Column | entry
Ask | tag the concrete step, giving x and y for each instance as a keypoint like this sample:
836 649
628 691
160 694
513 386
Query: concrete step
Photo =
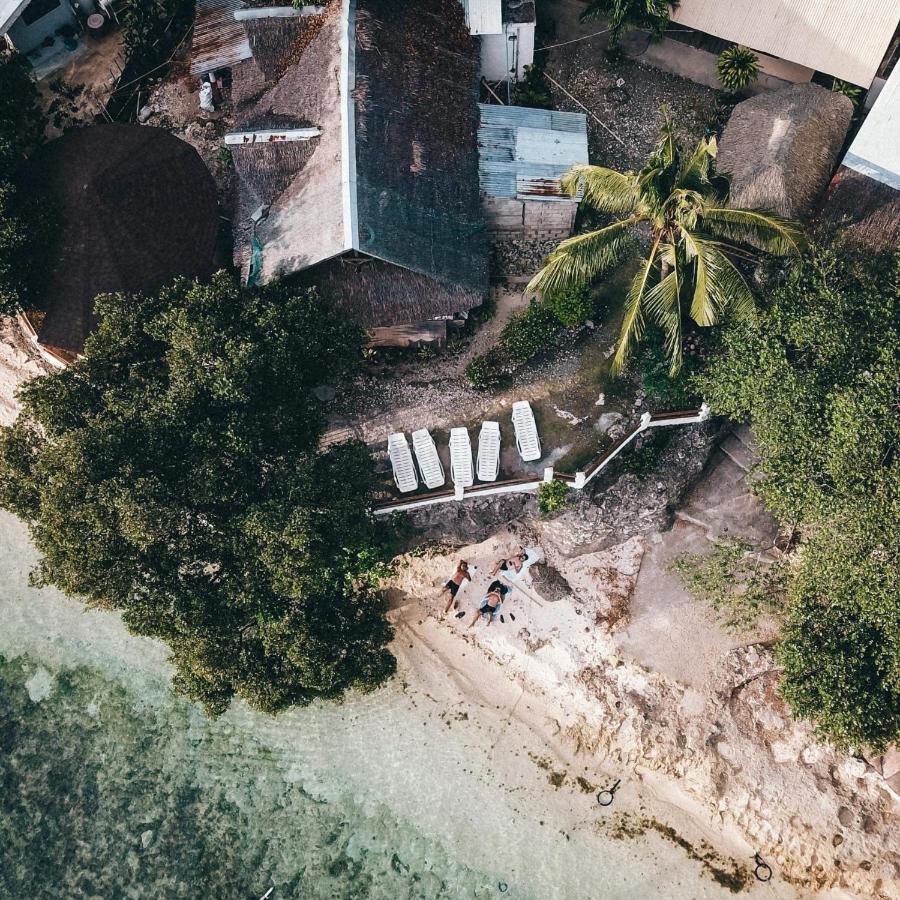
737 451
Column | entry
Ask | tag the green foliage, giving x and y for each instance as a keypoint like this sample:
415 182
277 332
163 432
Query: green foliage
735 582
847 89
532 90
688 270
666 391
173 473
21 216
816 375
148 26
524 336
529 332
572 306
737 68
552 496
623 15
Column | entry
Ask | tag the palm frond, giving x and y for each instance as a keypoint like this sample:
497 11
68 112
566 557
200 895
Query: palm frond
604 189
663 306
633 322
726 285
579 259
764 230
694 171
703 303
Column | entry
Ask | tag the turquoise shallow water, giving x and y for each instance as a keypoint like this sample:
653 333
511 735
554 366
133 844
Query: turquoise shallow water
112 787
102 798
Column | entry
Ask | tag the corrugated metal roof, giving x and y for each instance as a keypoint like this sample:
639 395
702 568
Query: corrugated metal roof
875 151
845 38
523 152
484 16
218 41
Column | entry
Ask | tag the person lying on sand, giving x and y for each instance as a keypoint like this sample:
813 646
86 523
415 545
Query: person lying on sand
455 583
512 564
491 603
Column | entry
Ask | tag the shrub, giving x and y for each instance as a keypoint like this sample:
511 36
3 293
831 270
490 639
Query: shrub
571 307
847 90
532 90
735 583
486 372
529 332
552 496
623 15
737 68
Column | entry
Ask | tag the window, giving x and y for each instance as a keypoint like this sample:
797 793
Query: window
37 9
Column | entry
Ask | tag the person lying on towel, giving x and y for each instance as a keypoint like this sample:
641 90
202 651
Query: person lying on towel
491 603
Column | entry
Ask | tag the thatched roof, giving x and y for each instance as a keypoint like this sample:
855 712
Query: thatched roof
416 127
394 172
870 208
135 207
780 148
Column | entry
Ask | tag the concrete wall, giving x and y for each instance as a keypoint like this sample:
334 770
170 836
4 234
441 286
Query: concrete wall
503 58
543 219
27 37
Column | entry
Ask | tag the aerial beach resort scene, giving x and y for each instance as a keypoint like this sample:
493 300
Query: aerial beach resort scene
449 449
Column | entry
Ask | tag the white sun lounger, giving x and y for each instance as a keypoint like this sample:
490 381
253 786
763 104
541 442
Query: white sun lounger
430 467
489 451
527 440
461 458
402 463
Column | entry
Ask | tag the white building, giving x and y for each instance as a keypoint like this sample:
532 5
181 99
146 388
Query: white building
506 29
847 39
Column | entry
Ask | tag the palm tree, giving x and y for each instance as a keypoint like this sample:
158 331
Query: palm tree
692 235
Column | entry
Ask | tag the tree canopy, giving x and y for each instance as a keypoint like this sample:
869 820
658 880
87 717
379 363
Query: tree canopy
174 473
688 269
817 375
21 124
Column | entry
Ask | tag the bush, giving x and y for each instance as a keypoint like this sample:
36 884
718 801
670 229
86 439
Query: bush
816 375
552 496
571 307
666 391
737 68
486 372
851 91
737 585
529 332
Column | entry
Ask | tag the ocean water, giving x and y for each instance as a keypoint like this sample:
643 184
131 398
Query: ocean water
113 787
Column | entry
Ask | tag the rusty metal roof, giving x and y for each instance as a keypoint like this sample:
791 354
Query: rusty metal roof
219 40
523 152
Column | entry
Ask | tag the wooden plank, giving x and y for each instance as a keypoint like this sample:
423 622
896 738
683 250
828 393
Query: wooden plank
277 12
432 333
272 137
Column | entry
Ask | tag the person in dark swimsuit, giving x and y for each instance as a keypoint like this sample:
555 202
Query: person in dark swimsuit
512 564
491 603
455 583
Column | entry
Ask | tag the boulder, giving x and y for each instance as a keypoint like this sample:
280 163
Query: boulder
549 582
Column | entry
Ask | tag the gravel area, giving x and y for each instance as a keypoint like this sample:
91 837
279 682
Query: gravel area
584 72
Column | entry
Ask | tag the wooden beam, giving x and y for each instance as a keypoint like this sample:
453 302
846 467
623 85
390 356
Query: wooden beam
416 334
277 12
272 137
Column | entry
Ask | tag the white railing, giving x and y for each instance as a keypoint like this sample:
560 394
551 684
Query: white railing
529 485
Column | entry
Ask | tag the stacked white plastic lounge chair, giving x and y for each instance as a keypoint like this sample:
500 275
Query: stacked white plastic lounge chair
427 457
527 440
461 458
488 466
402 463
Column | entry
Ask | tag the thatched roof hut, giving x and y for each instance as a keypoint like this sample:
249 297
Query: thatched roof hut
134 208
780 148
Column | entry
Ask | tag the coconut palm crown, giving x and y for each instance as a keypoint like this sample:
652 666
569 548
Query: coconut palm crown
692 236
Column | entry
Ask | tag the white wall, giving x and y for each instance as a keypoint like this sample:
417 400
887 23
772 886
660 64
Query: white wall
502 58
27 37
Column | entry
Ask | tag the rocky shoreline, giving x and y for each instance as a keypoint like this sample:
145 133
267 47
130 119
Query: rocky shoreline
722 741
